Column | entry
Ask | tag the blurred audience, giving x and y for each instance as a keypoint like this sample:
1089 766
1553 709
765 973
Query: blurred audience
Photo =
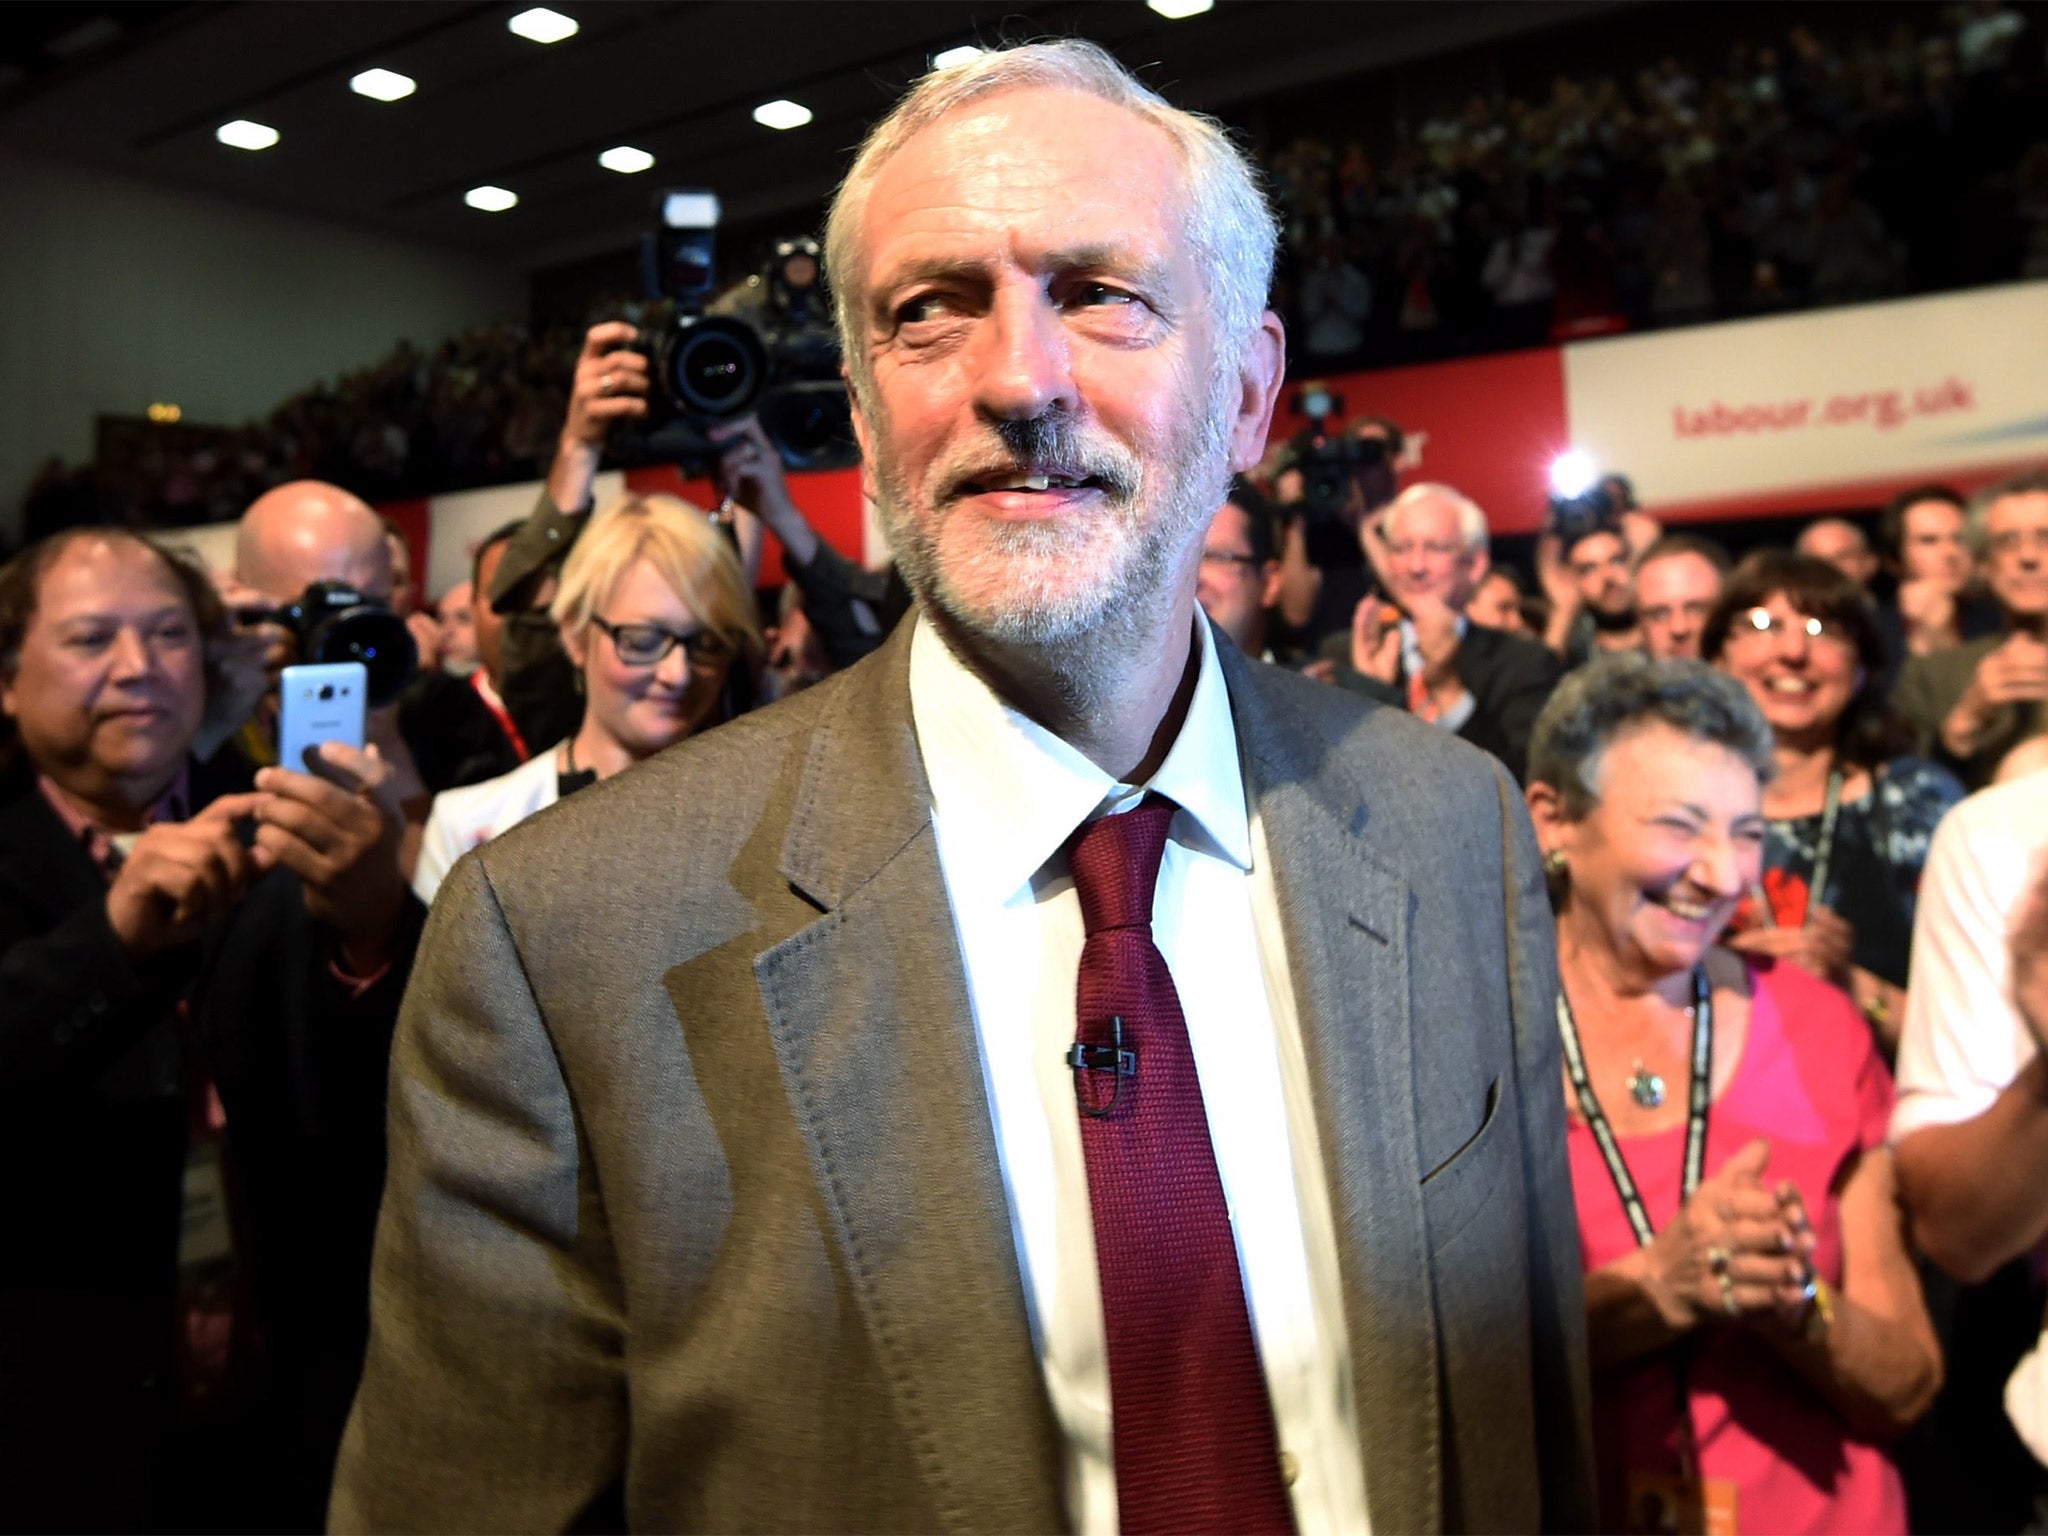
1972 703
1754 1321
458 629
1240 576
659 621
1498 600
458 728
1678 581
1416 648
1843 545
1849 811
1797 169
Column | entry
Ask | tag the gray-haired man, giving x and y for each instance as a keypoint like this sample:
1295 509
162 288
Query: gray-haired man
780 1138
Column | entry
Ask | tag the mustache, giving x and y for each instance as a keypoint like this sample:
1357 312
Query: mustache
1052 443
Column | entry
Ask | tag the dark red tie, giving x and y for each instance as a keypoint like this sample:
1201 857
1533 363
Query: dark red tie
1192 1425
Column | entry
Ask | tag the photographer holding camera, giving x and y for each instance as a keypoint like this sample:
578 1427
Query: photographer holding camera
1330 484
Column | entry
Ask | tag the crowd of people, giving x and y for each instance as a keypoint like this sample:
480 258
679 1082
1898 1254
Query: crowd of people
1903 158
1671 1190
1797 171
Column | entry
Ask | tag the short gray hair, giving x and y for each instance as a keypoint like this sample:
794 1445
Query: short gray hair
1605 697
2031 482
1472 532
1230 224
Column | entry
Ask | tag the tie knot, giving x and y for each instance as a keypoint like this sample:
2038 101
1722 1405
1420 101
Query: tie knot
1115 862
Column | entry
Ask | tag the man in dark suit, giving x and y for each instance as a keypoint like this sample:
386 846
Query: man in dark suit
459 729
780 1128
1415 647
136 924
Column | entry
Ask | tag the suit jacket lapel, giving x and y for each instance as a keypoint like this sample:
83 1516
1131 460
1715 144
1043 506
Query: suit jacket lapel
873 1029
1345 917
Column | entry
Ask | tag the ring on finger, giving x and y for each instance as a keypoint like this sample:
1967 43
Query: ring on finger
607 384
1717 1260
1727 1293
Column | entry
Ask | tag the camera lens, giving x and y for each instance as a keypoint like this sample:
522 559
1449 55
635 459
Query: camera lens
715 368
327 690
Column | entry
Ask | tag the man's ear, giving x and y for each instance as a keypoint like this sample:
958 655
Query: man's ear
1269 584
861 436
1259 377
577 645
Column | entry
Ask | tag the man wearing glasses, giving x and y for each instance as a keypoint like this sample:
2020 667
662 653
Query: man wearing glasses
1240 578
1974 702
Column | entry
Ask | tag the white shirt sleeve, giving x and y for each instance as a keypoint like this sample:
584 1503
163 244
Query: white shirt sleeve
440 847
1963 1040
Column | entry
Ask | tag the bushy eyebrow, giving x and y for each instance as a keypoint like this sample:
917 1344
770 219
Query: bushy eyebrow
1119 261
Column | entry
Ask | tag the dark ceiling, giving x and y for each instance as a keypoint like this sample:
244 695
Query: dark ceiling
139 89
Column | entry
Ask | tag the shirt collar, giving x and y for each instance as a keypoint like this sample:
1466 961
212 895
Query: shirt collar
1023 790
107 849
1411 642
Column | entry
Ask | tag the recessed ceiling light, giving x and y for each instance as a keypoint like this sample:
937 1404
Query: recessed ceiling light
1180 10
243 134
383 84
626 160
491 199
954 56
541 25
781 114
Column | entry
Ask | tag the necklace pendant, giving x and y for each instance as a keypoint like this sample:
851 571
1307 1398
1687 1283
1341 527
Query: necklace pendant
1646 1087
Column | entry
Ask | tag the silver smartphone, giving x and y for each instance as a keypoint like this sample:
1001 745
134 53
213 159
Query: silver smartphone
323 702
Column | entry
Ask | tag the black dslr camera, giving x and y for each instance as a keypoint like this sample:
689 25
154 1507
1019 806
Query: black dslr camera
768 346
333 621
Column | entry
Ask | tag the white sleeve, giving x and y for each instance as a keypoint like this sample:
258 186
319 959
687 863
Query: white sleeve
440 846
1963 1040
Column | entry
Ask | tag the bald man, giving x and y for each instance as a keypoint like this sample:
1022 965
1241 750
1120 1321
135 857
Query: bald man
308 531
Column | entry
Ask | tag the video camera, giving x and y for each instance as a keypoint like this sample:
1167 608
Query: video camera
1333 460
768 346
333 621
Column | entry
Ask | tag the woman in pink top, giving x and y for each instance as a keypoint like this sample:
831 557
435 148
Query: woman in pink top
1754 1321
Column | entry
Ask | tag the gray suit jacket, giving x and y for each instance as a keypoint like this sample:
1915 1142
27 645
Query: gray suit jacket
693 1184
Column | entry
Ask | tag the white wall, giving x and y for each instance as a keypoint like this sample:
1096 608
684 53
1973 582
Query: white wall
114 294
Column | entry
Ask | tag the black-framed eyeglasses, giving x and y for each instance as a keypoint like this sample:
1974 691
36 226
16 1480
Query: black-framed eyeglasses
647 645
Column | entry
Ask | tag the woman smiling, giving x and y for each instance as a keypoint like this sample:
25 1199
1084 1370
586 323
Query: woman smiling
1754 1321
655 614
1848 815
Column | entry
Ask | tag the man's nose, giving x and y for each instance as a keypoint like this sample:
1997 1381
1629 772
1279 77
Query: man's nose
130 655
1026 368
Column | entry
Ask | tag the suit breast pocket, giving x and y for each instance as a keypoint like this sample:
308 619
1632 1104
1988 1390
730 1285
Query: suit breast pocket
1456 1189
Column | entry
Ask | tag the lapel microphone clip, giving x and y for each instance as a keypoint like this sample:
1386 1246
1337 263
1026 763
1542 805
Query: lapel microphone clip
1117 1059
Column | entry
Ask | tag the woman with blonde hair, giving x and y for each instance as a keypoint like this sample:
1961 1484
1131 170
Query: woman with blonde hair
656 616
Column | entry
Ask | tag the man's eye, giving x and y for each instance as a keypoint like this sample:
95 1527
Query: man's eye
926 306
1089 294
90 639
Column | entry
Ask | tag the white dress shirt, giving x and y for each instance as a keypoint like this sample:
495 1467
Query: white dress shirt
1964 1039
1006 795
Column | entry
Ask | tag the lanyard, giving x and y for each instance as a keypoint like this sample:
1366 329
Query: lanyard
1824 850
499 712
1696 1112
